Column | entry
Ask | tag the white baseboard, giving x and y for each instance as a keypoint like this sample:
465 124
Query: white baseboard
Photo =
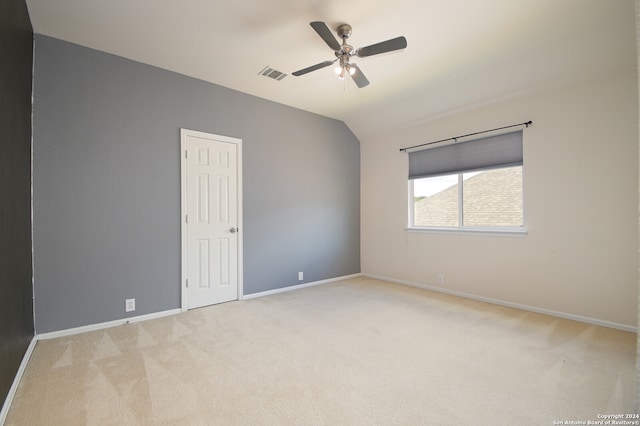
16 380
108 324
115 323
549 312
298 287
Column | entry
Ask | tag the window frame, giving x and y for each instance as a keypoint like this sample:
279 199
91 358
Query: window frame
463 229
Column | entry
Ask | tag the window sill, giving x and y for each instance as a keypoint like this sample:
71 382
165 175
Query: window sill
515 232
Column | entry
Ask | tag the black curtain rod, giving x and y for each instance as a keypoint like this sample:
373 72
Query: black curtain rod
527 124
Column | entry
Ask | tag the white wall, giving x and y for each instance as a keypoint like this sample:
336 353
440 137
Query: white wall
581 192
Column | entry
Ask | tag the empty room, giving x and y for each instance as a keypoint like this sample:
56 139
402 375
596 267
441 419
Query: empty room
319 212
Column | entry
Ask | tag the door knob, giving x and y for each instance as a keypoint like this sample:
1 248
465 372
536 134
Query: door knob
233 230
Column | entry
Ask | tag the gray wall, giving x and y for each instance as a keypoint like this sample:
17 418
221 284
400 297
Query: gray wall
16 291
107 186
637 10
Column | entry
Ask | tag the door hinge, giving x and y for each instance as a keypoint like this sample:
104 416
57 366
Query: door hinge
186 283
186 155
186 218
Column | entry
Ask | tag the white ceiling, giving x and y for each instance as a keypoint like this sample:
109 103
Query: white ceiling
460 53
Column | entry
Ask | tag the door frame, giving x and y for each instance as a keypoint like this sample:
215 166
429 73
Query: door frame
184 133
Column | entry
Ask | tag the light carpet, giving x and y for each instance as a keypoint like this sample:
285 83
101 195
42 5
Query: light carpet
354 352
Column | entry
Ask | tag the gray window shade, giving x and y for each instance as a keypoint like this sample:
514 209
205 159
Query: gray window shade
484 153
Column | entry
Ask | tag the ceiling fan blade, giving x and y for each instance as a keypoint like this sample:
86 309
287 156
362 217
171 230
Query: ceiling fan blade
312 68
326 34
358 77
382 47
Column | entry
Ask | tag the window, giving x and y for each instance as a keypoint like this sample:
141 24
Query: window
482 199
473 185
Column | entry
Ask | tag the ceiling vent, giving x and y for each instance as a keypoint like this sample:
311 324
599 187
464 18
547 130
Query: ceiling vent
271 73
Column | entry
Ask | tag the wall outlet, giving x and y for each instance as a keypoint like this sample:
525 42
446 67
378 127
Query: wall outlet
440 279
130 305
300 276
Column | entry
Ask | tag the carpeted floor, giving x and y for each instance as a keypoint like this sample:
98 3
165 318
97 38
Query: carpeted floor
354 352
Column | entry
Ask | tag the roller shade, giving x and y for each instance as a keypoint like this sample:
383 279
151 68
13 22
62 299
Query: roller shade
484 153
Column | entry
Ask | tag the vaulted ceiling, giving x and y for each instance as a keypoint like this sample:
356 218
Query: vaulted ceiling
460 53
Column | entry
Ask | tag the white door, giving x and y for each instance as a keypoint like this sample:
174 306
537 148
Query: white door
211 219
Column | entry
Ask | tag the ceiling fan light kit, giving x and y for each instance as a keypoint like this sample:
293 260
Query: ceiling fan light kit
342 70
344 52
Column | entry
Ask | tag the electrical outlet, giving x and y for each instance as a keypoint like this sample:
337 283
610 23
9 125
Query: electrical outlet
440 279
130 305
300 276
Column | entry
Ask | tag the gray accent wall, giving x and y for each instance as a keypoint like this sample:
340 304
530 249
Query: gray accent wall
16 290
637 11
107 185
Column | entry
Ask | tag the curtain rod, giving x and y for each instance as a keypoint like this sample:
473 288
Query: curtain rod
455 138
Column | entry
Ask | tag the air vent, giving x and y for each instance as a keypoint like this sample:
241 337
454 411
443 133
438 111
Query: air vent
271 73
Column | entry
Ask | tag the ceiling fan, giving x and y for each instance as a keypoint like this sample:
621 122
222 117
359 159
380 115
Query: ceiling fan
344 52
